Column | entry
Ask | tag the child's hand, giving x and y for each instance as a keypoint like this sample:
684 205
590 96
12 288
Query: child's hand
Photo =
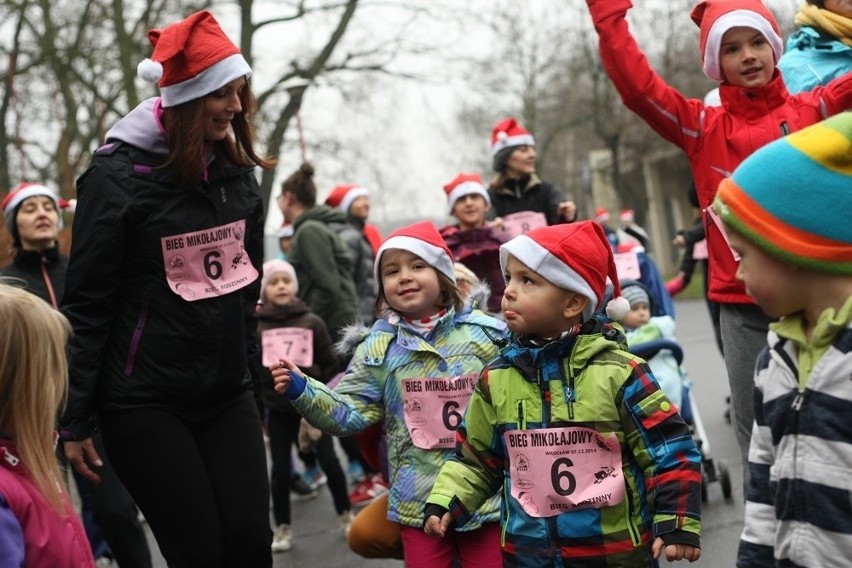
495 224
568 211
282 375
676 551
437 527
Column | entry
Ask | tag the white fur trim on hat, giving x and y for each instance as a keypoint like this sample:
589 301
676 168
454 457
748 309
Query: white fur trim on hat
545 264
217 75
351 195
466 188
436 257
736 18
507 141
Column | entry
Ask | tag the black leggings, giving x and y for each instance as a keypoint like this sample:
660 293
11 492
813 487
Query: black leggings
201 482
283 433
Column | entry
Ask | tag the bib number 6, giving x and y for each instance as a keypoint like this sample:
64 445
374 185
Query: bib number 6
452 418
560 476
212 267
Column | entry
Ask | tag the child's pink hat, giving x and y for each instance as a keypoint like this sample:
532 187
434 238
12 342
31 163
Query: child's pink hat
715 17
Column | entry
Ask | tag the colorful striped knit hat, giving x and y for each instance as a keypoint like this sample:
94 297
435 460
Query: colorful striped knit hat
793 197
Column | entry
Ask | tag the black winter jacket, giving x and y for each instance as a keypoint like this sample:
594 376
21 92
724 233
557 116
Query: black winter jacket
136 342
36 269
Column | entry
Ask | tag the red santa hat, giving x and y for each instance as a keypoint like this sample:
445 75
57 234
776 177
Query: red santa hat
23 192
715 17
627 215
505 135
424 240
465 184
601 215
192 58
343 195
574 256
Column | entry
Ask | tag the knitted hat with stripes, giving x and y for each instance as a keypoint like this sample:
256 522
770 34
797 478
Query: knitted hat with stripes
793 197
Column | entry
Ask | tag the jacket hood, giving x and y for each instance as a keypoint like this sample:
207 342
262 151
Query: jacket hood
142 128
322 213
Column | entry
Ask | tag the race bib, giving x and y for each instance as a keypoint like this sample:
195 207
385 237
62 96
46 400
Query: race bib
293 343
718 222
554 470
208 263
434 409
699 250
627 265
523 222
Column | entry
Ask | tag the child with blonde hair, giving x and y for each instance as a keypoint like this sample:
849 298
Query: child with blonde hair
414 372
38 526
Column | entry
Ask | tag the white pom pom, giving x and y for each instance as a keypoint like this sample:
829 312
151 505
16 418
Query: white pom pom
72 206
618 308
502 135
149 70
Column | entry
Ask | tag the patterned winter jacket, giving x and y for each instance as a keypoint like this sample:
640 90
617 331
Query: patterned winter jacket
587 381
715 139
371 390
799 499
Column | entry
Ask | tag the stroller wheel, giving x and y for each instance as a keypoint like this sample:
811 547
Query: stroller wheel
725 481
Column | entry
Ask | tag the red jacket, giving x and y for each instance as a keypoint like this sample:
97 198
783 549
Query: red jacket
715 139
49 539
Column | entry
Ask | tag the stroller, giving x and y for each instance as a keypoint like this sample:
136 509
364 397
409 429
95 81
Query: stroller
670 356
711 471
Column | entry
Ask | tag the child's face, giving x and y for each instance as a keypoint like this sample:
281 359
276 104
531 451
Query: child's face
410 285
470 210
746 58
772 283
534 306
284 244
280 290
638 315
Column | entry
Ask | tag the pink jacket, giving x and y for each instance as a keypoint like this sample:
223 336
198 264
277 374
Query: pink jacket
715 139
34 533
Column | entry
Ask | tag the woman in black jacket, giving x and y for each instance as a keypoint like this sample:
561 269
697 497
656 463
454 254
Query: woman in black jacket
161 290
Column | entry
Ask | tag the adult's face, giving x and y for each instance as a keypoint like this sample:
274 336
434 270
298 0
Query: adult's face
37 223
220 108
360 207
522 161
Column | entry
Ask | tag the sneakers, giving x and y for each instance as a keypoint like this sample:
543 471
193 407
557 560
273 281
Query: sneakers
314 477
355 473
300 489
367 490
345 519
282 539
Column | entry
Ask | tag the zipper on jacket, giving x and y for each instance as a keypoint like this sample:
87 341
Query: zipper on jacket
631 526
137 335
785 130
797 403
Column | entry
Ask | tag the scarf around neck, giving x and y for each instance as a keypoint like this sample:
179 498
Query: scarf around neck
834 24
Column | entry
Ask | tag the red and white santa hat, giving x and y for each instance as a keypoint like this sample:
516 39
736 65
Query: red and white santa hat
192 58
343 195
465 184
508 133
574 256
424 240
627 216
601 215
26 190
715 17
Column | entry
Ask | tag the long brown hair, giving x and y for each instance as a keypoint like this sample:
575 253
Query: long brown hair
185 137
33 381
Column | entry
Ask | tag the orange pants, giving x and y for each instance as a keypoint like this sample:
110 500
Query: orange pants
372 535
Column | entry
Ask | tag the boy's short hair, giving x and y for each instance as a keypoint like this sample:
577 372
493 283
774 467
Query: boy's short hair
715 17
574 256
792 197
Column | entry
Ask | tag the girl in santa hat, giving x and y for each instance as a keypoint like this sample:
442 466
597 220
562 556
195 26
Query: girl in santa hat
414 372
740 45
